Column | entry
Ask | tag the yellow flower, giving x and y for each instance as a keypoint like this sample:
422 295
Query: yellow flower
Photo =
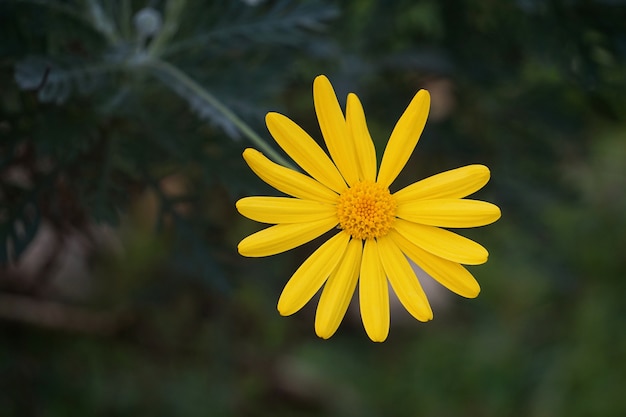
376 230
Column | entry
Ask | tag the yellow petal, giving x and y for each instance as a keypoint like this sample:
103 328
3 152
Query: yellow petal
364 147
287 180
304 151
334 130
282 237
404 137
403 280
338 291
451 275
276 210
449 212
456 183
374 294
312 274
442 243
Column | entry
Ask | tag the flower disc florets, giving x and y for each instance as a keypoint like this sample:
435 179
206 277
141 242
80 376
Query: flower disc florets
366 210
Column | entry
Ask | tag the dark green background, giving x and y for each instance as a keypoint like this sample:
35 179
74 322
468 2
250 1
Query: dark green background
166 319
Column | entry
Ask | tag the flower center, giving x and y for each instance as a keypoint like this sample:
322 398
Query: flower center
366 210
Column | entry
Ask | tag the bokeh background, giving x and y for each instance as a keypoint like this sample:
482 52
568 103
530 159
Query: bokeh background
122 124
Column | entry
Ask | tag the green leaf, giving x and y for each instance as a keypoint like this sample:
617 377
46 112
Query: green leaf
243 26
55 82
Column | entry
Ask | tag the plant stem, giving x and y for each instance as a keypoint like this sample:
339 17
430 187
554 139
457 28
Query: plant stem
126 19
101 22
171 20
197 89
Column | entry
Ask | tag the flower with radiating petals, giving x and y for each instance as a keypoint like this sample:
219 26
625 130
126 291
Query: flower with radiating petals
376 230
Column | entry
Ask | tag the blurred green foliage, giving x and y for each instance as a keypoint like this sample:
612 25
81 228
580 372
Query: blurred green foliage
121 128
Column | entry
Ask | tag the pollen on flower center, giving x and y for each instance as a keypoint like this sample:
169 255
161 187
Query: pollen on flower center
366 210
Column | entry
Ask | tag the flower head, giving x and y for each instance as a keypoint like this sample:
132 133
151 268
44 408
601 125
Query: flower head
376 230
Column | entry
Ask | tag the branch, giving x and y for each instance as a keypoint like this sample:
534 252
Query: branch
207 97
58 316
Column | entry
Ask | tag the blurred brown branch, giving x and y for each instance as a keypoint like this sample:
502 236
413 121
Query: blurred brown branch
59 316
